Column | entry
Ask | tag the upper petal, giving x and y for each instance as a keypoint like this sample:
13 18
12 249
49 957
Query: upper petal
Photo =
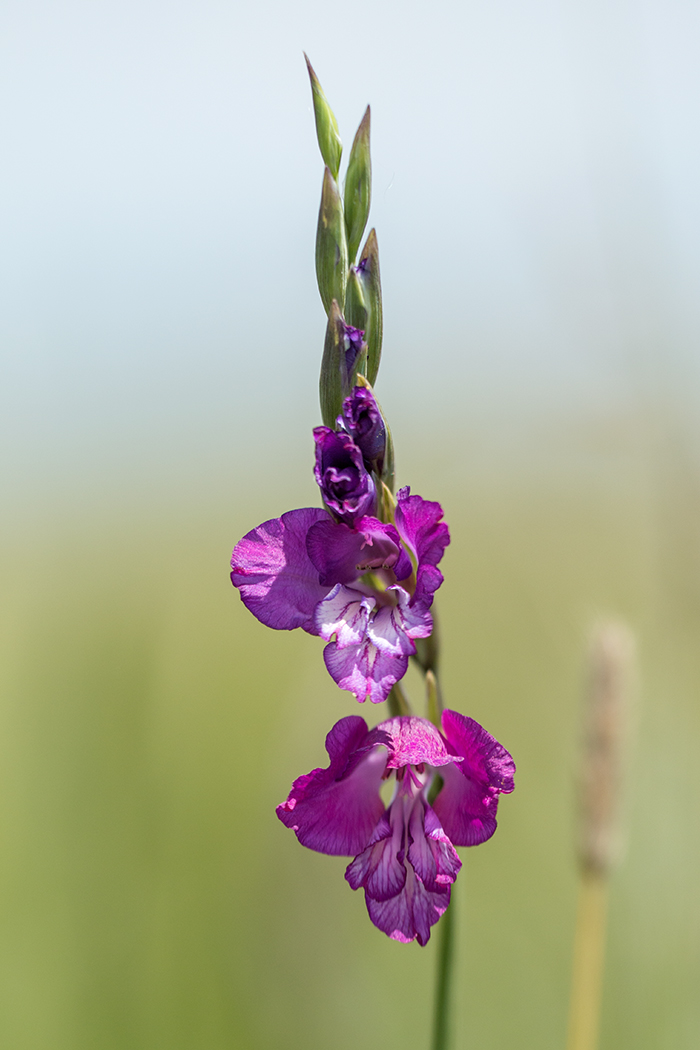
364 670
467 804
420 527
412 740
335 810
272 569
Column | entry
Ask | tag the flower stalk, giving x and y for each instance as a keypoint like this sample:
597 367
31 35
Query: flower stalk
361 571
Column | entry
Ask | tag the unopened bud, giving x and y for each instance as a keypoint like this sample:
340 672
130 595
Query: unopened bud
344 355
358 187
326 125
331 245
368 274
605 724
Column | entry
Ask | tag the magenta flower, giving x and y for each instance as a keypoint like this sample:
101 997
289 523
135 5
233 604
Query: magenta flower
405 858
366 589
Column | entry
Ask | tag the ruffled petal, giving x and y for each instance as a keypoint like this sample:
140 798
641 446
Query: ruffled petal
412 741
467 804
364 670
335 810
277 580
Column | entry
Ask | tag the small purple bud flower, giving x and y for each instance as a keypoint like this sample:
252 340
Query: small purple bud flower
363 421
347 488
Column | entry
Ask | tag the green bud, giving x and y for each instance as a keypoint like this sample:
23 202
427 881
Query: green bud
355 308
331 245
368 273
326 125
344 357
358 187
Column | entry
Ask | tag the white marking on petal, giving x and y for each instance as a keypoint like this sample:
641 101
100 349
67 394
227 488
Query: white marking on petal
344 613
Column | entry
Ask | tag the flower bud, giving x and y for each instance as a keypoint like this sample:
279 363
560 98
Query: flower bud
363 421
326 125
347 488
331 245
344 355
358 187
368 274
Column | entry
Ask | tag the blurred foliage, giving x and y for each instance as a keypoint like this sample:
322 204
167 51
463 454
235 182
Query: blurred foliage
149 725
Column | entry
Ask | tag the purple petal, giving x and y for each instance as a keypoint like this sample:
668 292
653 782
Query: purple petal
335 551
342 554
364 670
467 804
410 914
277 580
335 810
411 741
431 853
380 868
420 527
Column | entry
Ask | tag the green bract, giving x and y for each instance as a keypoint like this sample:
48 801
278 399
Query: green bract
326 125
358 187
331 245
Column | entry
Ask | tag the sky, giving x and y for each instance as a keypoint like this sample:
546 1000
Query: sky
535 197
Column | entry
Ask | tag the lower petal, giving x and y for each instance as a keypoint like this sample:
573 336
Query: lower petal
364 670
410 914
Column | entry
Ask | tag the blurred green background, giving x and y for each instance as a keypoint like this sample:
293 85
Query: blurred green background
536 171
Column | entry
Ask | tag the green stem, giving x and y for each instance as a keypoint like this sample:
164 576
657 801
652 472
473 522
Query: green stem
441 1023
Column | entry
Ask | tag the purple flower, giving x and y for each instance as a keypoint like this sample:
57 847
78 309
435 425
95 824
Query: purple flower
366 589
363 421
347 488
405 858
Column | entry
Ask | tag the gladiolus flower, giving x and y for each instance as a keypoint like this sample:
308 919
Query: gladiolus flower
404 854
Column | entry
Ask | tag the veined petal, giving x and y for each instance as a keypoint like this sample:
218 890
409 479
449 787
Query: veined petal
385 629
335 810
467 804
380 868
277 580
364 670
409 915
431 853
345 613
